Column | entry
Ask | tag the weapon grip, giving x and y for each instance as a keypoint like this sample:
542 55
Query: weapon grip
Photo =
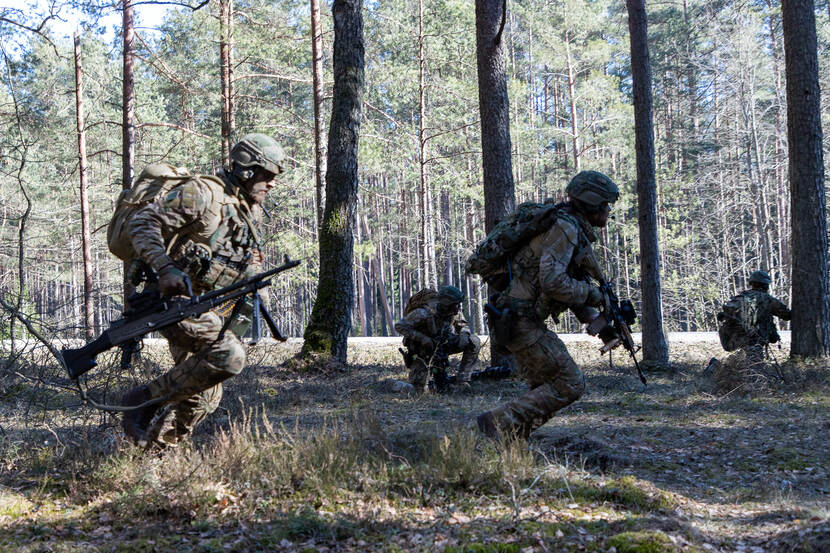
272 326
189 286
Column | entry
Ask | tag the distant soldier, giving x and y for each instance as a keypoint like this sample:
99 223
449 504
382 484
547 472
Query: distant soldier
745 322
432 330
547 277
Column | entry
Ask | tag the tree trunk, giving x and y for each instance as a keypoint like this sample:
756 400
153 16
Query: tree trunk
127 117
89 321
225 46
494 110
328 330
810 290
655 347
317 101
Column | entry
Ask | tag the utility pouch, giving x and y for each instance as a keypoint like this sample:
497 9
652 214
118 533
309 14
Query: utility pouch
219 275
194 260
500 322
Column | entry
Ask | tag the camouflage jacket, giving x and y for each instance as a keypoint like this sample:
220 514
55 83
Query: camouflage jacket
767 306
206 227
547 274
425 322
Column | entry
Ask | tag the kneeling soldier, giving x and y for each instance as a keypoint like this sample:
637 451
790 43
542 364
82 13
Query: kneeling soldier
432 330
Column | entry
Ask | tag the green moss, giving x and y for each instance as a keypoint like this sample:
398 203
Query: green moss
788 458
483 548
629 492
641 542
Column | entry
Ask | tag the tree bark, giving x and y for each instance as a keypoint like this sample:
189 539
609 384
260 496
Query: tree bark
494 110
328 329
225 47
127 115
810 290
655 347
89 321
317 100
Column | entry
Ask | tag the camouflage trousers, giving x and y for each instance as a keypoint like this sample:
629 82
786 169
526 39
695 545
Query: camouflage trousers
419 368
193 387
554 378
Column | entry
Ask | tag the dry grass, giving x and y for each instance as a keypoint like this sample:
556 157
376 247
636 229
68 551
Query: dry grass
333 462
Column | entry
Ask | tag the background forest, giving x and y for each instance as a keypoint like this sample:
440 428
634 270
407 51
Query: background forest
720 137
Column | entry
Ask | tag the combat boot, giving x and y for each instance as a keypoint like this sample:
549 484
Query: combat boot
136 421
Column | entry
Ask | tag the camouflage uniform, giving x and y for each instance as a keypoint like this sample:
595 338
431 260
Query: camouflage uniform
763 331
425 330
547 279
208 215
207 228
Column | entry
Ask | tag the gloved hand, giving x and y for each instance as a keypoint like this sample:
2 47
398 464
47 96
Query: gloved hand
608 334
595 297
171 281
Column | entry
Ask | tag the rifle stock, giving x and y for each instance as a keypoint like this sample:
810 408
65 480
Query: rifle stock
164 313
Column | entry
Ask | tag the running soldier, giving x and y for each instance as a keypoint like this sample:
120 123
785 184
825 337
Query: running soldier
204 230
546 278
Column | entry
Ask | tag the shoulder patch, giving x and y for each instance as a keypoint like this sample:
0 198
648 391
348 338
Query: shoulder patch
190 197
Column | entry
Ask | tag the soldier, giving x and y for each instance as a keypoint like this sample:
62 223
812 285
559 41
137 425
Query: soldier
204 230
746 322
434 330
546 279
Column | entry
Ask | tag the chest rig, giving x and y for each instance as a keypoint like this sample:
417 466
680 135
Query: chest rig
225 247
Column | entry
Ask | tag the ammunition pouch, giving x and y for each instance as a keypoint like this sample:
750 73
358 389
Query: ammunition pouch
209 271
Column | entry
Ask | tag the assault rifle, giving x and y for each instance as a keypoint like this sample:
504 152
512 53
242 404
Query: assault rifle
149 312
615 313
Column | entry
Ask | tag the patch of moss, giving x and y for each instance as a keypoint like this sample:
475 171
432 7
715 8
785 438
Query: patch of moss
629 492
641 542
788 458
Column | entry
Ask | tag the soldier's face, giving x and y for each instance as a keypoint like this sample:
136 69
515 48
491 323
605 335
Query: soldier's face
260 184
599 218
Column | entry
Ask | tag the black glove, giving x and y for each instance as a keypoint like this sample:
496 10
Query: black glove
608 334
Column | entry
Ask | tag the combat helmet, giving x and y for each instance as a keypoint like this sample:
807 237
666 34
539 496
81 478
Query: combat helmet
256 150
450 294
760 277
592 189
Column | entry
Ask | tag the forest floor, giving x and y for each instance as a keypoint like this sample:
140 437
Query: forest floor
337 462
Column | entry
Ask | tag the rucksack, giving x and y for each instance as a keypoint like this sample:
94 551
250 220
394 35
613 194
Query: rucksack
492 256
420 299
155 179
738 322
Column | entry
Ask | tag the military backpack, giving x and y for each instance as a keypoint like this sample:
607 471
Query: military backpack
154 180
420 299
738 322
492 257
